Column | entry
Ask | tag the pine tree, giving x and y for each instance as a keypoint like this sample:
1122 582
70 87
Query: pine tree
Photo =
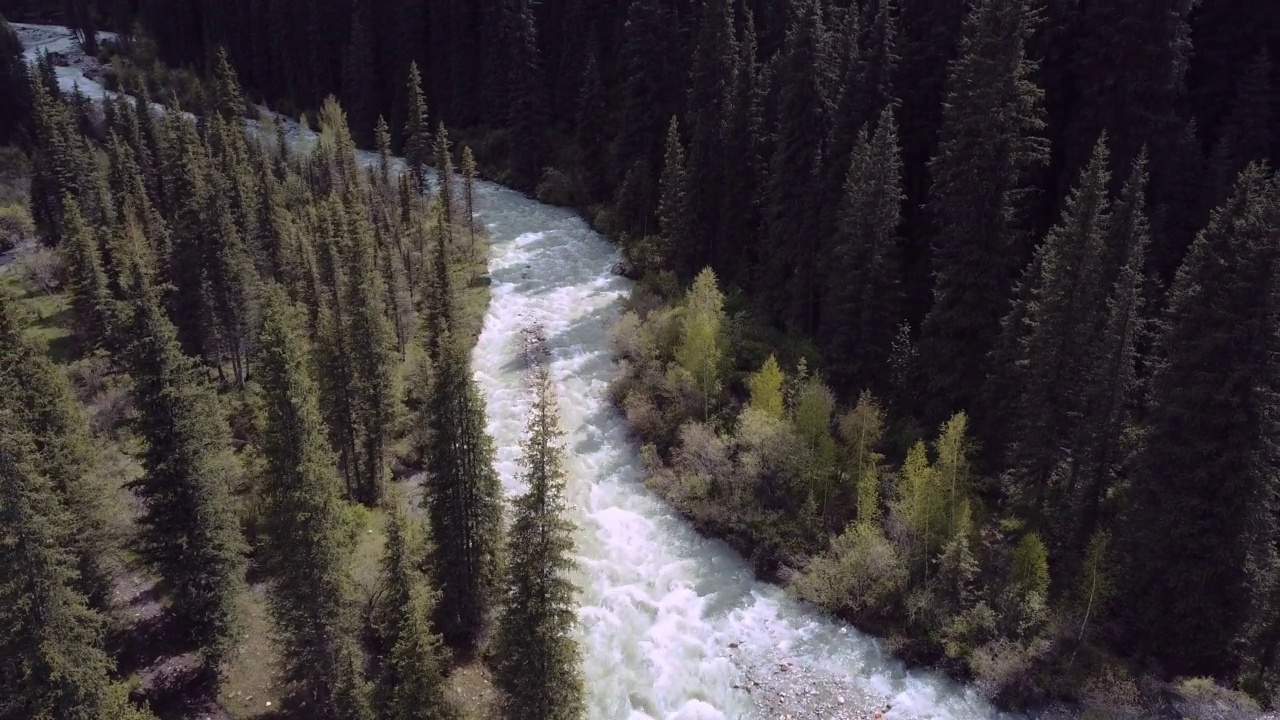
744 168
673 205
52 640
789 277
228 98
411 677
90 296
189 533
38 394
14 100
1062 319
1201 519
538 666
862 305
1112 387
710 107
446 194
418 660
529 111
463 500
417 131
375 395
592 125
988 144
469 199
304 546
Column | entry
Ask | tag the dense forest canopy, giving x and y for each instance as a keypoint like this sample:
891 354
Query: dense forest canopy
1049 230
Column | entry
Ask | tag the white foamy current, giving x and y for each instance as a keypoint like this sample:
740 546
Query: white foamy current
673 626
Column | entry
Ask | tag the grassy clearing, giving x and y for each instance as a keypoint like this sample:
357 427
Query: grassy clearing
252 687
50 314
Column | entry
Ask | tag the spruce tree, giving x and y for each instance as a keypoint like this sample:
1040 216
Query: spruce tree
744 167
372 359
469 173
538 660
52 640
446 195
91 300
14 100
188 529
228 99
1201 517
673 206
592 133
789 277
1112 382
1063 317
306 554
862 297
37 392
710 107
463 500
417 131
988 144
529 111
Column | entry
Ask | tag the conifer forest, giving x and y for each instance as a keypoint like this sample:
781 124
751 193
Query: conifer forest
617 359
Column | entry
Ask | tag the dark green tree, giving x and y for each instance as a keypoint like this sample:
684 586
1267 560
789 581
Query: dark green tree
538 660
14 100
463 500
988 144
1111 391
37 392
91 300
862 299
710 107
789 275
744 167
52 642
593 126
304 546
529 109
678 233
417 131
228 99
1243 135
1060 325
189 533
1201 518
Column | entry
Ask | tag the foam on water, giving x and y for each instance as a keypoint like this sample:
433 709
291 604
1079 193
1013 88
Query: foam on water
672 625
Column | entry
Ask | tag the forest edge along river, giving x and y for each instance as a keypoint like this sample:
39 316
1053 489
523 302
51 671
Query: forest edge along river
673 626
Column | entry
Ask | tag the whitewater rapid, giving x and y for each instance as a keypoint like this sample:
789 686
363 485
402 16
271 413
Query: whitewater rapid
673 626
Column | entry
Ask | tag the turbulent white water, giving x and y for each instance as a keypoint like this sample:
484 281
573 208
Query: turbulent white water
673 625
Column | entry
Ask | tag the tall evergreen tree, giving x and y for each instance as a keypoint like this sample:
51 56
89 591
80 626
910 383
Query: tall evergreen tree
90 296
304 546
529 110
1202 513
789 275
37 392
988 143
538 659
862 302
52 641
1064 313
417 131
372 359
678 234
410 683
14 100
228 99
1112 386
744 168
710 107
469 173
463 500
592 125
189 532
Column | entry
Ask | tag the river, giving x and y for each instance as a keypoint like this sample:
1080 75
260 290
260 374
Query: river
673 626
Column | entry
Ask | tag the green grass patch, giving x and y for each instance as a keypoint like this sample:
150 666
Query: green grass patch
252 686
50 317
